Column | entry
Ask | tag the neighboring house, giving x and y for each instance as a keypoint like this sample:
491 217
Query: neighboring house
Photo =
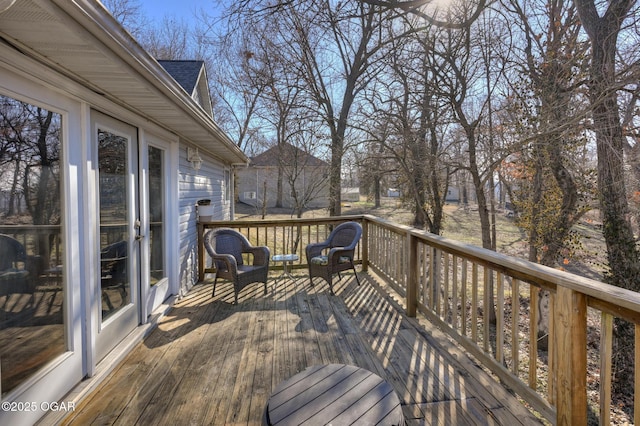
112 155
453 194
307 174
350 194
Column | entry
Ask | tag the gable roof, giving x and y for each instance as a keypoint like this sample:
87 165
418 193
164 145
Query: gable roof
81 42
192 76
286 153
186 73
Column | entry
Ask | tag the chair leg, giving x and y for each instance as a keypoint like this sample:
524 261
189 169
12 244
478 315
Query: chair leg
354 272
215 281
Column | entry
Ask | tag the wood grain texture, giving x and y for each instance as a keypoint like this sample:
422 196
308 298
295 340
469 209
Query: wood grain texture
213 362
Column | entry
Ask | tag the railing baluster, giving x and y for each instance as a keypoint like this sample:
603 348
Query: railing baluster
515 334
500 320
474 302
606 352
571 368
551 350
412 282
533 337
445 286
454 292
463 302
636 376
485 310
436 280
426 271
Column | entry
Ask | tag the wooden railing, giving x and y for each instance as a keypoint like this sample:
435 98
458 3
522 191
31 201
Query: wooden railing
282 236
488 303
41 240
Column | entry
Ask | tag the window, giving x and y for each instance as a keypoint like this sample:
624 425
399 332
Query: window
156 213
32 330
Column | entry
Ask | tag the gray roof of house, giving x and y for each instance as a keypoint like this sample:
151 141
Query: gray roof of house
288 154
184 72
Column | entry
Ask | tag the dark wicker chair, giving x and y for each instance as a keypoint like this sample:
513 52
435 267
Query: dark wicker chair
335 254
113 271
13 277
226 246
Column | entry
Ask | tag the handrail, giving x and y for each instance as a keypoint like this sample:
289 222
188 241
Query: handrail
457 286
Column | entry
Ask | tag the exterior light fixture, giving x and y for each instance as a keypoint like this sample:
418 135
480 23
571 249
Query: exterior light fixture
194 158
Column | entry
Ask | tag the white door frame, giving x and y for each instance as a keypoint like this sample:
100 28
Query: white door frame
107 333
152 297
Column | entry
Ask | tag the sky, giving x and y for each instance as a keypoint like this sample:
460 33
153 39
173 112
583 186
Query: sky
155 10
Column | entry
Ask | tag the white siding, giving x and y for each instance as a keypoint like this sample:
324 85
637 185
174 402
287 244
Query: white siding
194 185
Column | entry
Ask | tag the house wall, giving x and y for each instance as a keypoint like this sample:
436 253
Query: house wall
251 180
207 183
80 276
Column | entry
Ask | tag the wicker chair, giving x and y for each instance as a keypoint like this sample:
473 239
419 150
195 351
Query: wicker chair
226 246
13 277
113 271
335 254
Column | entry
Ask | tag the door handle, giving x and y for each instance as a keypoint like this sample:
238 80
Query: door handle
138 236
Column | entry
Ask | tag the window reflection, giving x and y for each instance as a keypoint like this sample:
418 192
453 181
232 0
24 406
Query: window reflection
156 214
114 227
31 244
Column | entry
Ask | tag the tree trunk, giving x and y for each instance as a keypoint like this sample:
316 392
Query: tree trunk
279 184
335 178
376 192
622 254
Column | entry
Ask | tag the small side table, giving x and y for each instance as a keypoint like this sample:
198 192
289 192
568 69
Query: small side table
285 258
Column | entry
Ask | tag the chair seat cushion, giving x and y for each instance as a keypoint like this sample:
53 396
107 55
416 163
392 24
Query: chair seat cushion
243 269
324 260
10 274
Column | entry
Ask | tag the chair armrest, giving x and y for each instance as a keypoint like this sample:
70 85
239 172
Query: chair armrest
338 251
315 249
260 255
229 261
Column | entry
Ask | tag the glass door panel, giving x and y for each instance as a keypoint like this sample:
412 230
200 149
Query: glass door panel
156 215
155 275
118 284
113 163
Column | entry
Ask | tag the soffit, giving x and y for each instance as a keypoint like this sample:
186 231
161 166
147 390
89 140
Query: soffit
81 40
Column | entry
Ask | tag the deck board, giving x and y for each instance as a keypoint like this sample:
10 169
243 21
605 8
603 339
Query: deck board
213 362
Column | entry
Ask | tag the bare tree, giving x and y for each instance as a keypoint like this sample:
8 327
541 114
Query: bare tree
603 26
409 119
459 73
546 106
349 31
169 39
129 14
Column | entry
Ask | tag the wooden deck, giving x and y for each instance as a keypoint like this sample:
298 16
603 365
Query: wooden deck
212 362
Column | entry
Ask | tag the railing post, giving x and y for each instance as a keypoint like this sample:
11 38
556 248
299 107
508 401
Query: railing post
365 245
201 261
571 351
412 275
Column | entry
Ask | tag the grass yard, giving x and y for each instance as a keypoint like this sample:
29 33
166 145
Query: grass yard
464 225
